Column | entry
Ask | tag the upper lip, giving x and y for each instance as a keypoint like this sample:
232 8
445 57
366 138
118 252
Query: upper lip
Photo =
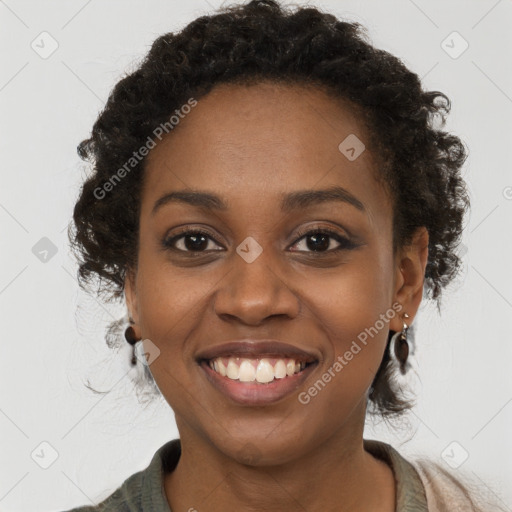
257 348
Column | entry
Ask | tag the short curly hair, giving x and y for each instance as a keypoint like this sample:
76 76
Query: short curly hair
264 41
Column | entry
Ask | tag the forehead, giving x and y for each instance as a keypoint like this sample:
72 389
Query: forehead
262 140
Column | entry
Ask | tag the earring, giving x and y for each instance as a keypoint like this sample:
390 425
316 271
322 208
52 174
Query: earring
129 335
401 347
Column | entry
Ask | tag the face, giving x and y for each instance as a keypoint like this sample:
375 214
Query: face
314 271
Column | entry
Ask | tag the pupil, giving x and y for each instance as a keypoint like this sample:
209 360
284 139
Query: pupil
199 242
320 242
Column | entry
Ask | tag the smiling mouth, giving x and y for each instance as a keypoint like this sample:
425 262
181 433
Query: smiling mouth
262 370
257 381
257 372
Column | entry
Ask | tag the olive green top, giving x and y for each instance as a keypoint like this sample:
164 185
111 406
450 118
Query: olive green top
144 491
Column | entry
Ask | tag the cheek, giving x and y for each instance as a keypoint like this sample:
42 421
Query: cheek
353 307
169 305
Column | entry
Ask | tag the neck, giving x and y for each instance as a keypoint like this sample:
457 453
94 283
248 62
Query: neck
335 475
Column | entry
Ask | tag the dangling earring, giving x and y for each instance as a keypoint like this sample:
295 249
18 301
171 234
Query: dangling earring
400 347
129 335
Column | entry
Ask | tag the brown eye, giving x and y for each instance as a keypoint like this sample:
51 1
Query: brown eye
190 241
322 240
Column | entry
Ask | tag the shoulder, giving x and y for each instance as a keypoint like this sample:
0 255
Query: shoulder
142 491
447 490
425 485
125 498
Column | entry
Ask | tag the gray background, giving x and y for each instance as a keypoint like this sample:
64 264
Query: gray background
52 333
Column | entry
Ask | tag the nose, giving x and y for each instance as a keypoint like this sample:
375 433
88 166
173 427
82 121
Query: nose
252 292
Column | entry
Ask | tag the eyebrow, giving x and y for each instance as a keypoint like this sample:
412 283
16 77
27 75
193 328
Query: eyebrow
293 201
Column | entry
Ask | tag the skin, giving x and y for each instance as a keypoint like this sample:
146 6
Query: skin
250 146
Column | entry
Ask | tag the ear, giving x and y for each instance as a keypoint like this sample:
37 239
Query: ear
410 264
130 295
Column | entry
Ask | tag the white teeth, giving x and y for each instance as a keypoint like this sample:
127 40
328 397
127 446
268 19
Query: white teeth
264 372
247 373
259 370
232 370
222 367
280 369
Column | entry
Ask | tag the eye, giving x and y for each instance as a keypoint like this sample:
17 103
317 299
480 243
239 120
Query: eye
188 240
321 240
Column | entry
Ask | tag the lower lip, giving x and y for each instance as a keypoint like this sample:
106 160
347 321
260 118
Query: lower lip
255 393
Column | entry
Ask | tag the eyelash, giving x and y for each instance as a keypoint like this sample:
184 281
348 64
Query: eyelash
345 243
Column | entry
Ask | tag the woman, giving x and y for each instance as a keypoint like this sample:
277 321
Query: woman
272 199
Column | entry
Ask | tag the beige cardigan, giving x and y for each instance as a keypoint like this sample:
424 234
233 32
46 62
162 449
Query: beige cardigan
446 493
423 485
